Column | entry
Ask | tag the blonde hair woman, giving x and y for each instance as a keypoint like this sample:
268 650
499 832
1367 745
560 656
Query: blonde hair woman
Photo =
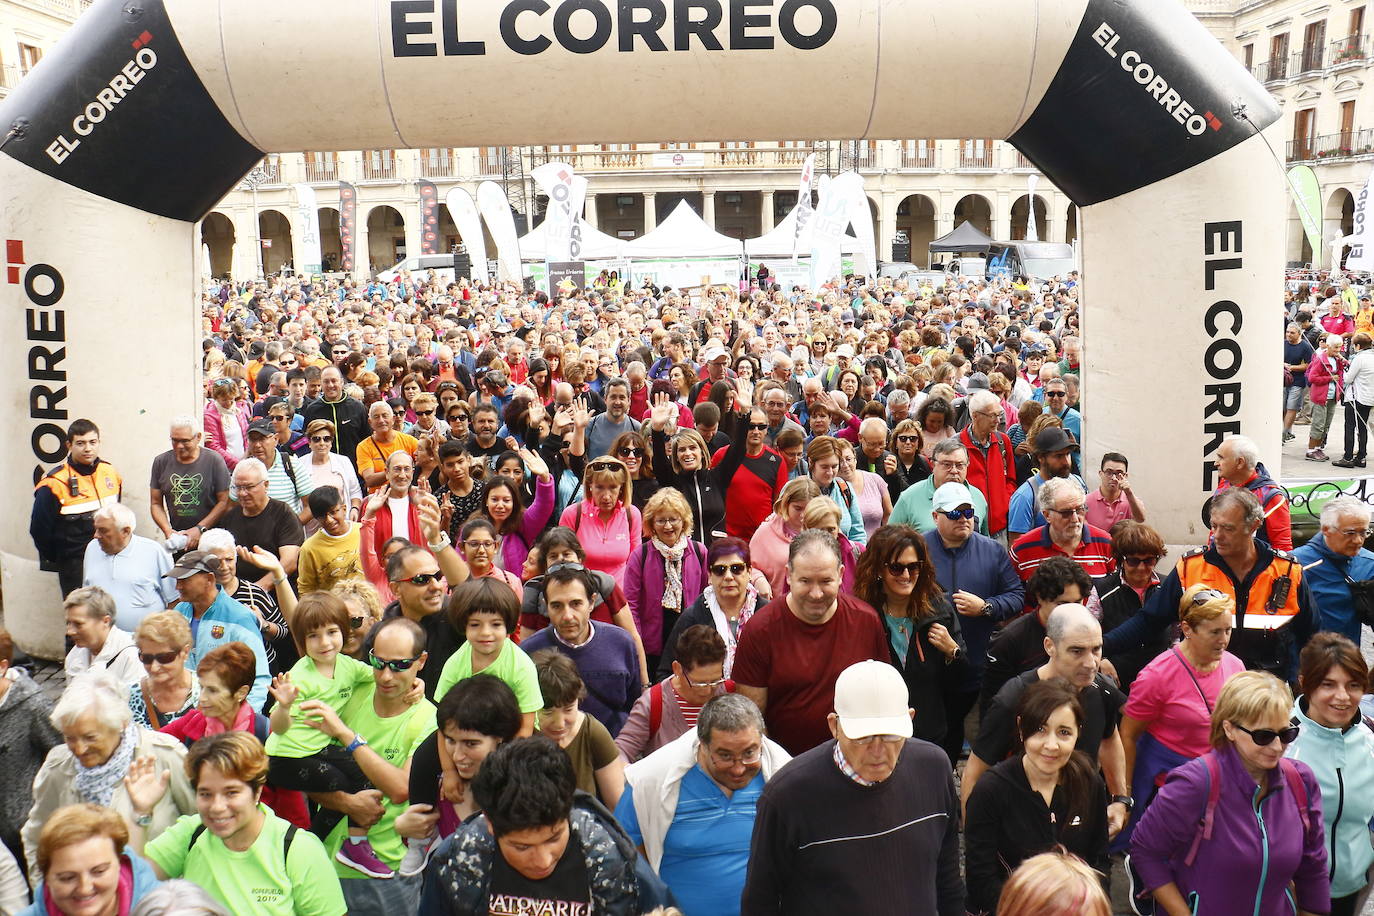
667 574
768 547
1054 884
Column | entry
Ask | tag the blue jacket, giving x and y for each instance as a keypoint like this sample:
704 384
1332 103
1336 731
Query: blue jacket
1257 846
145 879
228 621
1343 762
983 567
1324 571
851 517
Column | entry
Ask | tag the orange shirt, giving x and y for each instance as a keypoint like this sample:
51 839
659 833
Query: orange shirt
372 455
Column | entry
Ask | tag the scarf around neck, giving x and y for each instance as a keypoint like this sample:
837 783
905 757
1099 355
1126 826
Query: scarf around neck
97 784
672 571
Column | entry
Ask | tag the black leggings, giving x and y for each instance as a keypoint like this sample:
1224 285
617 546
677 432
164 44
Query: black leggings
331 770
1356 430
425 771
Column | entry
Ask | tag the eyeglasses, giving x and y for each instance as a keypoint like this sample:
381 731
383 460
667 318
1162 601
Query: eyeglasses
908 438
162 658
733 569
630 452
321 438
955 515
885 739
952 465
727 759
398 664
758 426
176 441
1143 561
1361 533
668 521
356 622
480 545
1263 737
1113 474
424 413
278 418
242 487
422 579
703 684
904 569
1070 512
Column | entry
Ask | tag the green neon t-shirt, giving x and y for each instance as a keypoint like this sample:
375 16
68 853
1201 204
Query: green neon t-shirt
512 665
300 740
260 880
395 738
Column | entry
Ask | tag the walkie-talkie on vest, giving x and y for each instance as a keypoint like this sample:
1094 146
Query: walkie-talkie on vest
1278 594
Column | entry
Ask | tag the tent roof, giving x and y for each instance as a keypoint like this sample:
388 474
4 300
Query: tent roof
965 237
777 242
596 245
683 234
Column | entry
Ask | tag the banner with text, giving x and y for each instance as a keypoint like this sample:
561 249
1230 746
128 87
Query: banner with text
308 216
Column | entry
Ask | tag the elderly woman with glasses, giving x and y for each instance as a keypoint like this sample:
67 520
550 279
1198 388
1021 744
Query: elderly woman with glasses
226 421
728 601
100 742
1240 829
1167 720
667 573
169 690
330 469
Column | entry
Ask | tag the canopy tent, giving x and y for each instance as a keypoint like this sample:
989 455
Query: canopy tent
777 243
965 237
596 245
683 234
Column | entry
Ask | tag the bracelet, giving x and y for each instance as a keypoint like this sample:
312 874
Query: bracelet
143 820
441 545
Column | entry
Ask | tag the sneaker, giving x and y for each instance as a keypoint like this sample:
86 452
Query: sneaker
416 857
360 857
1288 435
1142 901
1315 454
1342 463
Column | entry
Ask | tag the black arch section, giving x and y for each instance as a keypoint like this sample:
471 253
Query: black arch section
1098 133
162 144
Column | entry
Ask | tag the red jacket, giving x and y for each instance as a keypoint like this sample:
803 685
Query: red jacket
994 474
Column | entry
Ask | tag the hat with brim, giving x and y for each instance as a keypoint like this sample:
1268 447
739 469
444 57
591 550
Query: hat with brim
261 427
192 562
871 699
951 495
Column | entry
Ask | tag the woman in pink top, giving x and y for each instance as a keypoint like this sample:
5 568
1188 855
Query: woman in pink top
606 521
1168 718
769 545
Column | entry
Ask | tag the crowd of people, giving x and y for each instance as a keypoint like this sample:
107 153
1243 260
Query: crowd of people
471 600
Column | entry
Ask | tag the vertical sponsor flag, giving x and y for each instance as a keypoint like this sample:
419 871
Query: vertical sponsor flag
804 209
463 209
1307 194
828 224
861 218
563 218
1032 230
429 217
207 271
495 209
1361 241
348 226
308 216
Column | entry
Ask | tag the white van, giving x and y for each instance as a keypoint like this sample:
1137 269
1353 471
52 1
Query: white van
421 267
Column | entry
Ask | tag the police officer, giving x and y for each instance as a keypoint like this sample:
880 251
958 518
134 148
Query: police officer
1275 614
65 501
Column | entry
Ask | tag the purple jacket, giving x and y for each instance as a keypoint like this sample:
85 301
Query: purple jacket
1252 855
515 547
645 579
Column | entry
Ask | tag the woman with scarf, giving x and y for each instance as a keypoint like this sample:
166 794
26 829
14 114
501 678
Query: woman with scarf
667 573
100 741
726 603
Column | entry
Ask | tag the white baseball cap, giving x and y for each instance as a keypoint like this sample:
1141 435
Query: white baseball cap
871 699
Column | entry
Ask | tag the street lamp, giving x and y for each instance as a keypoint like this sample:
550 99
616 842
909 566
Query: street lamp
255 179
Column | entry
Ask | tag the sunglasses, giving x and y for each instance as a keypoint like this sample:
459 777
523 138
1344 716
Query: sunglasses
1070 512
606 466
1056 394
630 452
321 438
399 664
733 569
955 515
457 417
356 622
908 438
1263 737
424 413
904 569
422 579
1209 594
162 658
1144 561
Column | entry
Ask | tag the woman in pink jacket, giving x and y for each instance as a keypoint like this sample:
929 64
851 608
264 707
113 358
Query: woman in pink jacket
226 422
768 547
1324 377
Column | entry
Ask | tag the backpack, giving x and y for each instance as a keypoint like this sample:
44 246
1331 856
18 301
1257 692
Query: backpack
656 704
1204 828
286 840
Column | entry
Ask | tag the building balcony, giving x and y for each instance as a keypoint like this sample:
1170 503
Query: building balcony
1351 144
321 170
1272 70
1352 51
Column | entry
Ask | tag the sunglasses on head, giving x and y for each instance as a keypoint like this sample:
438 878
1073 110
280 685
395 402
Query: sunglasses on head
162 658
606 466
398 664
733 569
422 579
955 515
1263 737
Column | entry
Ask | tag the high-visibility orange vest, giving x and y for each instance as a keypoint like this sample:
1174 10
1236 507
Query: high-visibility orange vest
1252 611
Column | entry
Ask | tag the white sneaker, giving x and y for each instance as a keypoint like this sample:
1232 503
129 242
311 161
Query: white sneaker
416 857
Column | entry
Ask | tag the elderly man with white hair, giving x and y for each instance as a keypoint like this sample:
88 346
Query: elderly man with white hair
1335 557
188 489
1238 465
1066 533
991 460
128 566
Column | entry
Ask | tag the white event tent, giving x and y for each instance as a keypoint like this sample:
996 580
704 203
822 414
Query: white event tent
683 234
596 245
777 242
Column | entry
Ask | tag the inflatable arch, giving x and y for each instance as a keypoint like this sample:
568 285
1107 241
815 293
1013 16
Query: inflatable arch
149 111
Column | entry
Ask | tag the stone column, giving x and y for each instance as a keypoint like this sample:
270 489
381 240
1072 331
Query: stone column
591 216
650 211
768 224
708 208
887 225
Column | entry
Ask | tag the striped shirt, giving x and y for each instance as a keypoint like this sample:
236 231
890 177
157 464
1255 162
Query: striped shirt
1094 552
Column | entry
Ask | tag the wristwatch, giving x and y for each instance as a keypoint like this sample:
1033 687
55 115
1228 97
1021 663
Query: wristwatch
357 742
440 545
1123 800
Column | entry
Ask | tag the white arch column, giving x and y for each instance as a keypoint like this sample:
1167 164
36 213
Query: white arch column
887 224
767 205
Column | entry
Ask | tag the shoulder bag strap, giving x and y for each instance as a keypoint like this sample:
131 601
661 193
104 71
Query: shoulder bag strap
1189 671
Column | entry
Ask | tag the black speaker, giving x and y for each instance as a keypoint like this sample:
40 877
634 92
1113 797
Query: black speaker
901 251
462 264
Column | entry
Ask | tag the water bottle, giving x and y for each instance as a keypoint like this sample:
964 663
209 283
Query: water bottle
175 542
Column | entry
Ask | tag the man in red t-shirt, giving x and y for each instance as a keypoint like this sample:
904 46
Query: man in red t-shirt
792 650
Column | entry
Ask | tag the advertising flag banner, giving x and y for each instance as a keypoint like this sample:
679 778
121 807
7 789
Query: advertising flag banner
804 208
1361 241
500 219
1307 194
429 217
463 209
308 215
1032 230
861 218
562 219
348 226
829 223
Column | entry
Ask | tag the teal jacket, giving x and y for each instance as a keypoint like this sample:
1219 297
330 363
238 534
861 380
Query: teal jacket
1343 762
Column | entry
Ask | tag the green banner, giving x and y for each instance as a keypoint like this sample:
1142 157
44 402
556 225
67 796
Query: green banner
1307 194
